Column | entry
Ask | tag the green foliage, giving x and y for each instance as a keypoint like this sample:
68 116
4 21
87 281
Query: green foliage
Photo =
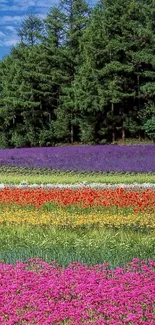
86 131
65 246
82 74
149 128
18 140
148 120
61 126
4 142
15 175
30 30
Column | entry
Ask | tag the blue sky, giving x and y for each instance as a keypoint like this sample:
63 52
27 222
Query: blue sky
12 12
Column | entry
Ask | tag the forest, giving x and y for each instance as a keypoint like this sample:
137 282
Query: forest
82 75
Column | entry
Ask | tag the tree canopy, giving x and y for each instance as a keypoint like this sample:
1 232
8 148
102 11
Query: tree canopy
82 74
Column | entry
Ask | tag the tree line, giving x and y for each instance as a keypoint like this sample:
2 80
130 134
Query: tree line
82 74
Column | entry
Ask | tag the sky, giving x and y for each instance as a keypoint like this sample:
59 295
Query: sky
12 12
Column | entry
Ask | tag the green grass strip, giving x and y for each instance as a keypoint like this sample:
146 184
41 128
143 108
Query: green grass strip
65 246
16 175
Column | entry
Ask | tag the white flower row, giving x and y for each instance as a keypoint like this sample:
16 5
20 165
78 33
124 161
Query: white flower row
25 184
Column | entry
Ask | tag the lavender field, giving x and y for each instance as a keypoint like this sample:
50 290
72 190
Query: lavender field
104 158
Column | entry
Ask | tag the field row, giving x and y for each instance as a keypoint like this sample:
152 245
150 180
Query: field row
13 175
132 158
138 200
26 185
66 245
78 208
74 219
35 292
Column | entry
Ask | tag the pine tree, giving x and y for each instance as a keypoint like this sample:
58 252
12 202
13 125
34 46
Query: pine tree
54 60
31 30
76 16
80 76
109 76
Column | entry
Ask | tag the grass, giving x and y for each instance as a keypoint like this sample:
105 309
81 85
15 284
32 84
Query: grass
134 141
16 175
93 246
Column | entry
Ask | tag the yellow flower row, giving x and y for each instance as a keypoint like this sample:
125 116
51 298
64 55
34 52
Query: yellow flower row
67 219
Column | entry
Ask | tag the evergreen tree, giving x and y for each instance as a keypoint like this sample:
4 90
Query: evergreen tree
55 62
23 96
109 74
31 30
76 16
82 74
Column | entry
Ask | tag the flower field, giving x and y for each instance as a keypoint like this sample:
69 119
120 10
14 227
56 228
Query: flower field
142 200
85 207
77 255
50 294
131 158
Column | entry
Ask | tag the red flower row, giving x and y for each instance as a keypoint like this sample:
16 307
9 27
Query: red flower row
139 200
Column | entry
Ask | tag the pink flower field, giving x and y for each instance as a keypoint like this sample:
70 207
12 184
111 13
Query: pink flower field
37 293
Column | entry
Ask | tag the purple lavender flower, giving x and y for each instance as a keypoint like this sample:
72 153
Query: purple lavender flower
106 158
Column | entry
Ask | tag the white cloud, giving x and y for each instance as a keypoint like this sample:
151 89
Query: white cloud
25 2
12 13
17 5
46 3
10 19
25 5
2 34
9 41
11 28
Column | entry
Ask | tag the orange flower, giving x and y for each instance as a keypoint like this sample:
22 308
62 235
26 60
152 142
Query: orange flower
142 200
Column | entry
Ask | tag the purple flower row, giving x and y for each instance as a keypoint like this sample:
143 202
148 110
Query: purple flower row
108 158
37 293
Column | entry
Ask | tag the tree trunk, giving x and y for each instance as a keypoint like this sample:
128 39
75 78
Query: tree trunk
113 133
72 133
138 92
123 133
